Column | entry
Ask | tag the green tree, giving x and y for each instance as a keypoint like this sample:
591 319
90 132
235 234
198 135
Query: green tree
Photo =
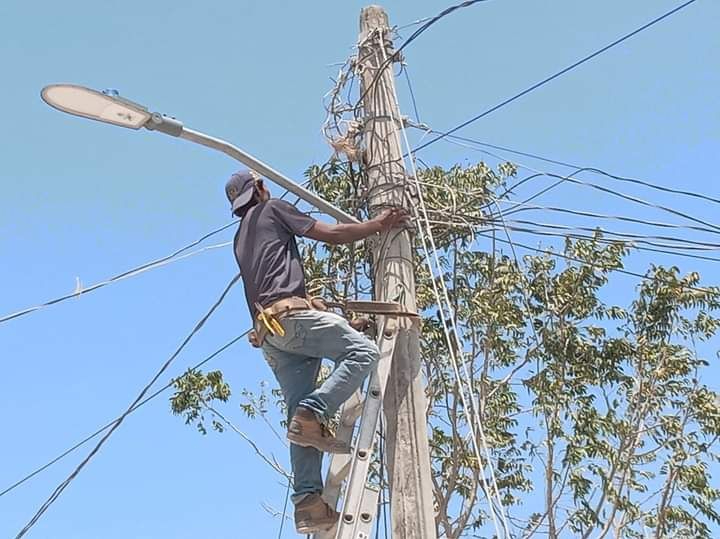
595 416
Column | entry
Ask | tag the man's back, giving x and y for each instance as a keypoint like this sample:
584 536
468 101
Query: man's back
267 253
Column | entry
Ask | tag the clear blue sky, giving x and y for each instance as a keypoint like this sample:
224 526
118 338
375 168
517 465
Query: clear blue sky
86 200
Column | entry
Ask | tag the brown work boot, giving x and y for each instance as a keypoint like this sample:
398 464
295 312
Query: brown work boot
313 515
305 430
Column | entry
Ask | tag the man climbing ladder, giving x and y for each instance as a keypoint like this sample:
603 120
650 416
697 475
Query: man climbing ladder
295 335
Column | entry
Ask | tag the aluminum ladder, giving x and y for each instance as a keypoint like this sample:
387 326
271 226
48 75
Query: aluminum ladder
359 503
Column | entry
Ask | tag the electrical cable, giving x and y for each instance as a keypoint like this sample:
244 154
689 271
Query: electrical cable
638 244
578 168
413 37
626 197
161 390
504 149
706 290
412 94
634 238
114 421
573 180
433 20
414 23
64 484
700 245
173 257
662 248
570 178
596 170
611 241
126 274
518 207
113 424
554 76
285 505
381 495
445 300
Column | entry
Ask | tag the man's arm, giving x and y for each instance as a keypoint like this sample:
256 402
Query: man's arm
349 233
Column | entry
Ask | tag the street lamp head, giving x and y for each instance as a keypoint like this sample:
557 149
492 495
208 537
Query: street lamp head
103 107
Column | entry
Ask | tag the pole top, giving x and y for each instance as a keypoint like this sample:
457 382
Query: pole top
372 17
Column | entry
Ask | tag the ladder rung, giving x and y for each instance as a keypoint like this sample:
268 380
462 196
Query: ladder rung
360 525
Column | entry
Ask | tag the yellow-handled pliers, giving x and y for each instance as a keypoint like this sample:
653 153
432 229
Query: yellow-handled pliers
271 323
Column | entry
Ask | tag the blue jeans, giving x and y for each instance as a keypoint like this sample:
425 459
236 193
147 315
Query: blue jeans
295 360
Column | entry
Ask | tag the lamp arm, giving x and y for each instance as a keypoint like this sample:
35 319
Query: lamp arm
175 128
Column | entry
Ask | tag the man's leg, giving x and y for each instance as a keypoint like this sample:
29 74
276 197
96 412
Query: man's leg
297 375
327 335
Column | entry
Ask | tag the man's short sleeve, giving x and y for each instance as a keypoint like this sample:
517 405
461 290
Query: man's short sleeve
295 221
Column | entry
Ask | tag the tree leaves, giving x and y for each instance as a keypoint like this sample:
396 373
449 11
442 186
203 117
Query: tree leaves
594 414
194 394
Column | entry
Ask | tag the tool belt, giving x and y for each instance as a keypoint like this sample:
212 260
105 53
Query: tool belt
268 318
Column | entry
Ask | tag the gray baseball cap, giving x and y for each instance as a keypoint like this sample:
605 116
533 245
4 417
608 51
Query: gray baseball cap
239 189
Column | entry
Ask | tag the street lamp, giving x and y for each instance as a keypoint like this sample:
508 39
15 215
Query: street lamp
103 107
109 107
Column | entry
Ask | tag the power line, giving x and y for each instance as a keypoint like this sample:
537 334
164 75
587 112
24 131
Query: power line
596 170
159 391
285 505
64 484
443 300
570 178
554 76
505 149
613 240
412 93
637 238
518 207
414 23
413 37
435 19
173 257
126 274
578 170
114 421
619 194
638 244
382 501
707 290
522 207
701 245
654 186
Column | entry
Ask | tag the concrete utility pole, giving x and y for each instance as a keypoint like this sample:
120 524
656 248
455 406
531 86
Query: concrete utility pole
408 455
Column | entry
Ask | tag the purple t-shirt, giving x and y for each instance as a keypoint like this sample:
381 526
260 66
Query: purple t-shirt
266 251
